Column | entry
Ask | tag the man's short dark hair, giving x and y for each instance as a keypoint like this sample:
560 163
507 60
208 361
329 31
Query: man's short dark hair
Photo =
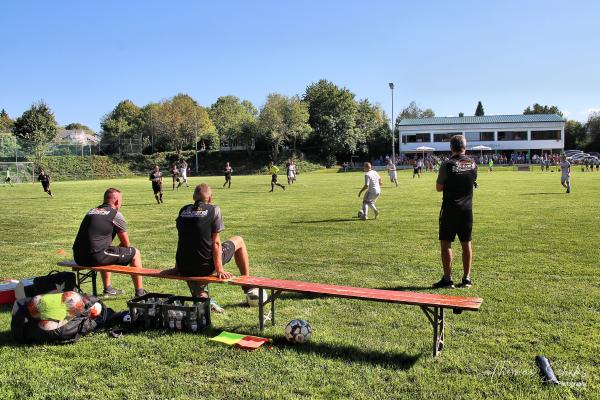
110 192
458 143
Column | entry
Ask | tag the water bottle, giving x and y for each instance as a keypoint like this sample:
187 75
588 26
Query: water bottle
171 319
127 318
178 317
193 322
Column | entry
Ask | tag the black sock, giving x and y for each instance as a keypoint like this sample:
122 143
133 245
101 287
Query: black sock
139 292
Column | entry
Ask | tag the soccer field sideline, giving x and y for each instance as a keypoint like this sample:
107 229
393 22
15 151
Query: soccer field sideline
528 254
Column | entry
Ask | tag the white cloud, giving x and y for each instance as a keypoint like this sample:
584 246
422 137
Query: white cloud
566 113
593 110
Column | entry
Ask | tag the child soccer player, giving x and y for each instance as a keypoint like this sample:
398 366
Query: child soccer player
391 168
228 171
565 178
7 179
291 172
373 187
491 165
156 178
274 170
183 167
174 174
45 180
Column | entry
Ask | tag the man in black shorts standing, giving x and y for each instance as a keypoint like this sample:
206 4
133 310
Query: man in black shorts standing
456 179
93 244
45 180
200 251
156 178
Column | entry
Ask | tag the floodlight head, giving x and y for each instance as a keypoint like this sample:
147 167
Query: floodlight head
391 85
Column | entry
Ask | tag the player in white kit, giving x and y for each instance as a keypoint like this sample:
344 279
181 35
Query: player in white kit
565 178
373 187
391 168
183 167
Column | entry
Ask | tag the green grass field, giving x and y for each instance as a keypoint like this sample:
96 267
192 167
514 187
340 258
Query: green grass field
536 265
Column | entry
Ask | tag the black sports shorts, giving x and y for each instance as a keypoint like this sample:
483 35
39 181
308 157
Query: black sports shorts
45 186
114 255
456 222
274 178
156 187
228 250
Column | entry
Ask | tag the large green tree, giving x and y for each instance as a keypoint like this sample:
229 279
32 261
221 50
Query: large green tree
36 129
296 121
575 135
232 119
479 110
332 116
593 130
82 127
369 121
123 122
413 111
539 109
181 120
6 123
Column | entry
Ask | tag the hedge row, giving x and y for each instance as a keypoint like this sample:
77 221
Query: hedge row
209 163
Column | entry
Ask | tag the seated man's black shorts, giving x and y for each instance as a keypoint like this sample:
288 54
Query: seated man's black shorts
114 255
157 188
456 222
228 250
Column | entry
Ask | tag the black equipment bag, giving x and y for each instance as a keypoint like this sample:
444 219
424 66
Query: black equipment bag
55 281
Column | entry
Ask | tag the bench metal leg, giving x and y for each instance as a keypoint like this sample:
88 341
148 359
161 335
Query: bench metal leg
82 277
435 315
263 299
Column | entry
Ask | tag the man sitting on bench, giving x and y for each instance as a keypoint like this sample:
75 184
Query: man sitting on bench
93 244
199 248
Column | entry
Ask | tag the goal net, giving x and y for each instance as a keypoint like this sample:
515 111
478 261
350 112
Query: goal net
19 172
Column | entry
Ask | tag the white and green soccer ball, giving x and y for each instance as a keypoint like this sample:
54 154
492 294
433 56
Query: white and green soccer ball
361 214
298 331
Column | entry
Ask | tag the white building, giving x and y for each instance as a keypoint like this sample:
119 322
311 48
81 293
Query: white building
536 133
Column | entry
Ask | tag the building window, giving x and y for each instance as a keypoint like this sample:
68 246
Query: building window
545 135
479 136
444 137
416 138
512 135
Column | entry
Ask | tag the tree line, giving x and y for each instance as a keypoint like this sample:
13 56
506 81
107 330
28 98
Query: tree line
327 122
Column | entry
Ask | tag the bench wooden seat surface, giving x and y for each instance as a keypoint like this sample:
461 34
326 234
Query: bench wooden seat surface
148 272
390 296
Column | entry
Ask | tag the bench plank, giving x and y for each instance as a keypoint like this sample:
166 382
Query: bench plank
389 296
151 273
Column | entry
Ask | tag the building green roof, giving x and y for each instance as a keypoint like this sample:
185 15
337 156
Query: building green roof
486 119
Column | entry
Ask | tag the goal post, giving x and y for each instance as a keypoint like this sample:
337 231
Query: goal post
19 172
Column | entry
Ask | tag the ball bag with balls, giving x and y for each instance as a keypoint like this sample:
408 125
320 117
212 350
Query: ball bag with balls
298 331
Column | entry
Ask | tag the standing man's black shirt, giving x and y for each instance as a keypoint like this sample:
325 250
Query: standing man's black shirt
458 175
155 177
195 225
97 231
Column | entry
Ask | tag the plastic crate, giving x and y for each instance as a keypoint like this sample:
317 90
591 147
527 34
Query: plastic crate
190 314
146 310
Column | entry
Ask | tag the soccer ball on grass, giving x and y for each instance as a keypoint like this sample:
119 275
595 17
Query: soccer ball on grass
361 214
298 331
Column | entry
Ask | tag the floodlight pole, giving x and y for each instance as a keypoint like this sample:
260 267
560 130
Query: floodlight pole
391 84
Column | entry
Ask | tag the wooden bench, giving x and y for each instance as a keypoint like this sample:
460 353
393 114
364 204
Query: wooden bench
433 305
85 273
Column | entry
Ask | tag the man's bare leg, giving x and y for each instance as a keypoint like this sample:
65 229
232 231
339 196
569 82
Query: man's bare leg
467 259
241 255
446 253
136 263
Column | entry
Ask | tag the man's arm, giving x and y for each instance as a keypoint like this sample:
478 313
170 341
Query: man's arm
365 186
217 254
441 179
124 239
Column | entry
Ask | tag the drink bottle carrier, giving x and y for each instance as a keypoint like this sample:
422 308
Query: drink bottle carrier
190 314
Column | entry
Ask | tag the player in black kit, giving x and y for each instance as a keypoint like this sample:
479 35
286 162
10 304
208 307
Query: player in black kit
156 178
45 180
228 171
456 179
93 244
200 251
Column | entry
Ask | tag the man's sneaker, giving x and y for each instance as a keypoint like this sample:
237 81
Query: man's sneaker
376 213
215 307
466 282
112 292
569 190
444 283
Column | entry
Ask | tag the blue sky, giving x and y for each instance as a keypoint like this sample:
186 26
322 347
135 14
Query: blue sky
84 57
